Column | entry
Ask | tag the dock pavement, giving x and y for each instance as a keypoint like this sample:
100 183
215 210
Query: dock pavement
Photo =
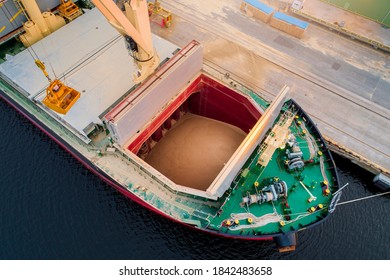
343 85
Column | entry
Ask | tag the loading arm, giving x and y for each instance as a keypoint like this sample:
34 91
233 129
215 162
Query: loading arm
134 25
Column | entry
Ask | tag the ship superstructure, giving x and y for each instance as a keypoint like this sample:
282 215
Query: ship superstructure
183 143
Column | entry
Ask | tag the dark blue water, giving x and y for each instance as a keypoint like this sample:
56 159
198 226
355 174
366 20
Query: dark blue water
51 207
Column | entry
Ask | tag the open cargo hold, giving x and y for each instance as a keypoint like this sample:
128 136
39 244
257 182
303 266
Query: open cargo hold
142 119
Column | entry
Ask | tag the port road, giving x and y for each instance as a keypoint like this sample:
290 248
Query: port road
343 85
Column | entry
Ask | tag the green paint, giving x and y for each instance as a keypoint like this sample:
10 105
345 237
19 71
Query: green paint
297 195
377 10
11 47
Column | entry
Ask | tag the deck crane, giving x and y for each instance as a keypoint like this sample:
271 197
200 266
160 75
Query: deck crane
134 25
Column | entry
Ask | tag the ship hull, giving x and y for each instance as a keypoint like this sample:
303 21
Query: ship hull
104 177
87 164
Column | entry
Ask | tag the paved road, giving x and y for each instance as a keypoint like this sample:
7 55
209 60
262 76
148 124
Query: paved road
343 85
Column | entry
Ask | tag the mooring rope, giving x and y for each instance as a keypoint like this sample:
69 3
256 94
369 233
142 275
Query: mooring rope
362 198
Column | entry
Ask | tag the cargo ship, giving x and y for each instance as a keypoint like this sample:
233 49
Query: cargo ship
179 137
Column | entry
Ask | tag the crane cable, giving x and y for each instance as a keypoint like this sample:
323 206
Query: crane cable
30 51
47 57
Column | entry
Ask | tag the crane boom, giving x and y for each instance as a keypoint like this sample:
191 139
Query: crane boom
134 25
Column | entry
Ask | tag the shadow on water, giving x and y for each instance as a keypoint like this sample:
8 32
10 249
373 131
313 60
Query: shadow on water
51 207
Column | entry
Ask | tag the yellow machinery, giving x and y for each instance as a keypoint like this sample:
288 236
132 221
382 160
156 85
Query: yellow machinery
59 97
69 10
159 15
39 24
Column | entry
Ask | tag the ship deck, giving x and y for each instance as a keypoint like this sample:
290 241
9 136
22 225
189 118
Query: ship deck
88 55
133 177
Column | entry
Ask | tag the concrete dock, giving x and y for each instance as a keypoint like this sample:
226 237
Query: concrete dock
345 22
344 85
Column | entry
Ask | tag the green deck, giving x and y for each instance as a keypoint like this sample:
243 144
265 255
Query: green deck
297 198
